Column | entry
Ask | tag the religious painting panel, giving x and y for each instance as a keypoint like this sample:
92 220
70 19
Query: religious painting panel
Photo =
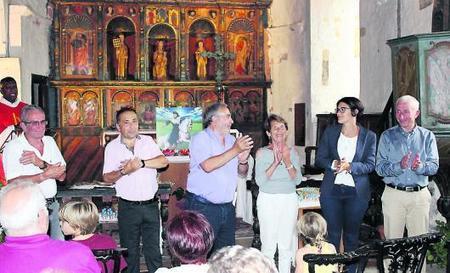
146 103
201 39
437 82
175 126
121 47
236 105
150 16
405 74
183 98
71 107
79 48
206 98
162 60
241 41
91 105
115 100
246 107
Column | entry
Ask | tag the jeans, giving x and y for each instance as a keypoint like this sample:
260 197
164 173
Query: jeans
54 227
344 212
221 217
136 221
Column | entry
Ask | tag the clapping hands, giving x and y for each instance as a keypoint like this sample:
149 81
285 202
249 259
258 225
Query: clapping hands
415 164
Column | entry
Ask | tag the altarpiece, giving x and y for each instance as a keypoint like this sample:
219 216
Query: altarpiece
149 54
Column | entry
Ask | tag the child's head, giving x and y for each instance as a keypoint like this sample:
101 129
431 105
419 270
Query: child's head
78 217
312 227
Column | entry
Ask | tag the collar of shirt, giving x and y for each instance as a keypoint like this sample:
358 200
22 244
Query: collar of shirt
407 134
5 102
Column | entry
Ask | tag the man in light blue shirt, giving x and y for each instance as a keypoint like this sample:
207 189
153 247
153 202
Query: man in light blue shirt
407 155
216 160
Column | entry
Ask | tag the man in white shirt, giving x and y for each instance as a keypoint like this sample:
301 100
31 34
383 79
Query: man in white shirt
36 158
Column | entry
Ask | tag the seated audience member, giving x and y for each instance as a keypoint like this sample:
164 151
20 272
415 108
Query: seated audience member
27 247
239 259
79 220
190 238
312 228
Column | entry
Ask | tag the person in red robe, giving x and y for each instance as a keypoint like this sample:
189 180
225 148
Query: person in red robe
10 107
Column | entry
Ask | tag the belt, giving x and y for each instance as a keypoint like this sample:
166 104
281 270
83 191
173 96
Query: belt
202 200
407 188
139 203
50 200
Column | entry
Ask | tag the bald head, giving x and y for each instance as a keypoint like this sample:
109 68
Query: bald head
22 209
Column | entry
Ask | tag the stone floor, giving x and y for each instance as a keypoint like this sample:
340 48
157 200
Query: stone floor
244 237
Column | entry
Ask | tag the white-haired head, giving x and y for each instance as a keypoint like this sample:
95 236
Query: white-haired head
409 100
22 204
239 259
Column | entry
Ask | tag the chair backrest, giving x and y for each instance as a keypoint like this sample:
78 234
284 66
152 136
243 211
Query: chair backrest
358 258
404 254
105 255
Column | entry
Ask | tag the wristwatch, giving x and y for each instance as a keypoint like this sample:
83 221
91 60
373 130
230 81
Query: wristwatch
44 166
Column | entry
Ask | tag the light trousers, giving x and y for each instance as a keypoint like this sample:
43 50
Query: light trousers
277 215
405 209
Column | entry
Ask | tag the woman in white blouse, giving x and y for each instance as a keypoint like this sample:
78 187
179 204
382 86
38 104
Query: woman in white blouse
347 154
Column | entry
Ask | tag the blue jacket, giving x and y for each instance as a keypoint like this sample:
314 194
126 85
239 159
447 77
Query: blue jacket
363 162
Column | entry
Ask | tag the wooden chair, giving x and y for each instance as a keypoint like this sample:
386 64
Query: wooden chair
404 254
359 258
105 255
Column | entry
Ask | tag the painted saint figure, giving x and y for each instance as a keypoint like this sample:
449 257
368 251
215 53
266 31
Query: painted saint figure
79 55
121 58
201 61
73 112
90 112
174 134
242 55
160 62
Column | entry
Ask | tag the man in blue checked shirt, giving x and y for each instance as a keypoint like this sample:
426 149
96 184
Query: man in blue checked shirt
407 155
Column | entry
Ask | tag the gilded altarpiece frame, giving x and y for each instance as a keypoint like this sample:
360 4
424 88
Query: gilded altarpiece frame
81 107
142 99
78 46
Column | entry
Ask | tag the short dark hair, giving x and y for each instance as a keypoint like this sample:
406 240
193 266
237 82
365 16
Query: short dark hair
123 110
28 108
271 118
6 80
211 111
190 237
354 104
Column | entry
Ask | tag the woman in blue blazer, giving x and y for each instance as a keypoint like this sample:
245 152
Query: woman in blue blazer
347 153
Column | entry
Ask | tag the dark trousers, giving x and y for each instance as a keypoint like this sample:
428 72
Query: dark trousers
136 221
344 212
221 217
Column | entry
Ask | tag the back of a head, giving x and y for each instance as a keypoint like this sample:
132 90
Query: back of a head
239 259
81 215
20 204
312 227
190 237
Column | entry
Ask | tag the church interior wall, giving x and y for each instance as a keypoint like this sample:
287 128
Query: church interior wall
288 59
28 34
380 21
307 59
334 53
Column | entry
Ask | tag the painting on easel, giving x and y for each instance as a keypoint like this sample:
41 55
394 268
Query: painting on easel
175 126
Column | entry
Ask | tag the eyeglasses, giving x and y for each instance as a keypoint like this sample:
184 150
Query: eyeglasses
36 123
341 109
